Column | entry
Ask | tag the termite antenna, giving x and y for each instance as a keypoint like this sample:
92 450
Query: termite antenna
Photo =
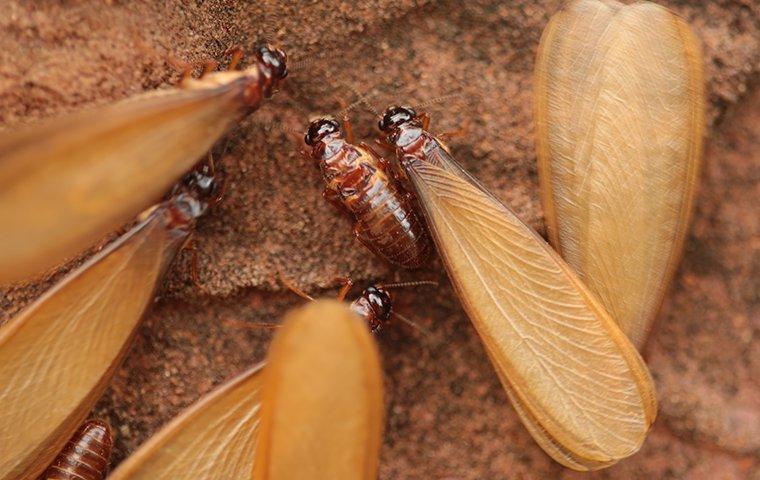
424 331
448 96
416 283
292 287
249 325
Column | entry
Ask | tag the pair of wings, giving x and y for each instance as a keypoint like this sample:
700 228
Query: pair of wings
576 381
314 411
59 354
620 119
69 182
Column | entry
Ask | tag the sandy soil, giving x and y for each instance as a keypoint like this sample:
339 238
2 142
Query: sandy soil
448 416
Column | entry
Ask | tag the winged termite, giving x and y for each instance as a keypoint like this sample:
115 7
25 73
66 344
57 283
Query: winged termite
58 355
620 116
385 218
69 182
86 455
576 381
322 405
215 439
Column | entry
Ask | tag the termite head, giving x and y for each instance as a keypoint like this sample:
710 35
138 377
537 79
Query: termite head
199 189
374 306
395 116
402 126
318 135
274 60
319 129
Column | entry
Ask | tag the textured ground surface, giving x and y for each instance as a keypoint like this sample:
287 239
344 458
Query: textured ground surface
448 416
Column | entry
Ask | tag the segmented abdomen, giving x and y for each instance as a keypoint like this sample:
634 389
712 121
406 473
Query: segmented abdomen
85 456
389 224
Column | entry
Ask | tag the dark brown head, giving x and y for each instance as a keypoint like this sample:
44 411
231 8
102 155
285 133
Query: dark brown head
319 129
274 61
199 189
375 306
396 116
272 64
319 135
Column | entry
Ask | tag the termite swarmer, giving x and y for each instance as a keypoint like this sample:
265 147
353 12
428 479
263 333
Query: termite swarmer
357 180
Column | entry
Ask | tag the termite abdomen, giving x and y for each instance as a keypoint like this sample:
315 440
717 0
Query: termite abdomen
85 456
386 221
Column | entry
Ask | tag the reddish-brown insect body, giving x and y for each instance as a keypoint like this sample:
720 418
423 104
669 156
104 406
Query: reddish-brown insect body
386 220
86 455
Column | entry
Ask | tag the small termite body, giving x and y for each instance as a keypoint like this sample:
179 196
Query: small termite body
386 221
374 305
85 456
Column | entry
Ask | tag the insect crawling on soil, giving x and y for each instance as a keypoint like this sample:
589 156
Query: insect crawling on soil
70 181
373 305
85 456
357 180
58 355
620 113
578 384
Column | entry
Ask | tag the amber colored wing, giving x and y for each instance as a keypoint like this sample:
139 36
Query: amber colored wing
68 183
578 384
620 118
322 406
215 439
58 355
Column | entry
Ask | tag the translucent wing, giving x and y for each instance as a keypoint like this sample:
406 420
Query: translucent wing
215 439
68 183
322 406
57 356
576 381
620 111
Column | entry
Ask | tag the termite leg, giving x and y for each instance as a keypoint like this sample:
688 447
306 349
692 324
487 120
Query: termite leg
461 132
237 54
193 263
384 164
347 284
348 129
425 120
293 288
382 143
210 162
208 67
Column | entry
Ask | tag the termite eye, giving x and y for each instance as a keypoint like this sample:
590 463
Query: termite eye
395 116
275 59
380 301
319 129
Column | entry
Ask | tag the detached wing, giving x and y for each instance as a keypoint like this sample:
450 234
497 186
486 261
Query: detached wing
620 120
67 183
57 356
215 439
578 384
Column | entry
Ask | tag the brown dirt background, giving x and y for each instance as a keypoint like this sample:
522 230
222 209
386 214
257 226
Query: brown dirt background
447 415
